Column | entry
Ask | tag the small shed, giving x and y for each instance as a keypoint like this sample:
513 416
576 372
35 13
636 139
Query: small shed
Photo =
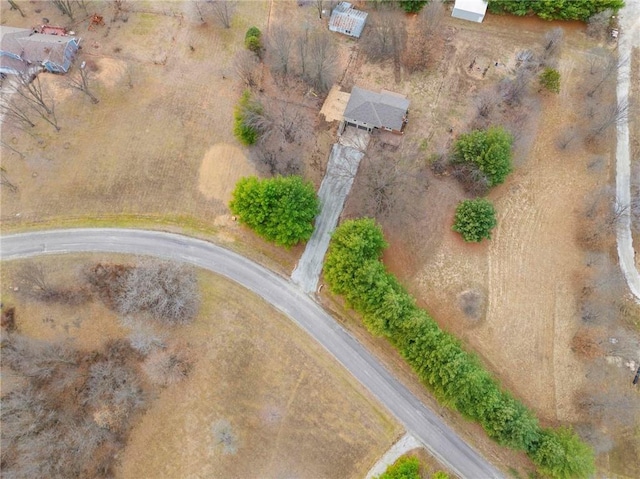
472 10
346 19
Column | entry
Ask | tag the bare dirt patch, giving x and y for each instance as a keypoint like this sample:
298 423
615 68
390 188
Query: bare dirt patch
335 104
222 166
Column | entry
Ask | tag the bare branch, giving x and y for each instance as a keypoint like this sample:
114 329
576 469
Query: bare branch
14 6
223 11
81 82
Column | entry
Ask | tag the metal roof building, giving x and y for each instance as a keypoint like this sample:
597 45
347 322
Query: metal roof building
472 10
346 19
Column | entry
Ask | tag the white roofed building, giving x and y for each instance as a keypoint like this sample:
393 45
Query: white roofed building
472 10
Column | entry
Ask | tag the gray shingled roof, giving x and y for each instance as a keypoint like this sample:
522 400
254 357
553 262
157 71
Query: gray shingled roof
33 47
380 110
40 48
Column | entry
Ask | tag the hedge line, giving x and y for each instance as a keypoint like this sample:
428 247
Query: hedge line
555 9
353 269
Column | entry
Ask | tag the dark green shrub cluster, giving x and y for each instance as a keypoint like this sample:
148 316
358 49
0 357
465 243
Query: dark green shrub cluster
475 219
353 269
556 9
489 150
403 468
412 6
253 40
280 209
242 128
550 79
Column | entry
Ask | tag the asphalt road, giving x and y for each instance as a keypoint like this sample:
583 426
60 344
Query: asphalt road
424 424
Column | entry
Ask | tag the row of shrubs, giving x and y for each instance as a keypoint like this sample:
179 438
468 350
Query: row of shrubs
555 10
353 269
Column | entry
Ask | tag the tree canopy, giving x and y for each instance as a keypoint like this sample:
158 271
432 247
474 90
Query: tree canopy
280 209
475 219
550 79
403 468
556 9
562 455
412 6
489 150
244 110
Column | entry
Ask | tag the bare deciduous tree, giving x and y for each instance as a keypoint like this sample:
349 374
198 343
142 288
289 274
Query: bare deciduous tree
602 67
598 24
36 359
567 137
323 59
223 11
279 45
385 36
34 280
388 184
607 117
144 339
276 161
514 89
167 292
30 89
5 181
431 17
69 7
81 82
553 41
11 108
246 67
71 416
168 366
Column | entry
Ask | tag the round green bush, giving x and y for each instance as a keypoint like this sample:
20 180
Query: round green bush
475 219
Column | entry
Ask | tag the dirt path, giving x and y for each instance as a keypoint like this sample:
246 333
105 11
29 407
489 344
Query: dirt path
629 39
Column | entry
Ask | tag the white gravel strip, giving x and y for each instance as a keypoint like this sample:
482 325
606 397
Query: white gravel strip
629 18
405 444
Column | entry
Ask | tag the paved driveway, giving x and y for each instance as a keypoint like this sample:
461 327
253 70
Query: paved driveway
341 171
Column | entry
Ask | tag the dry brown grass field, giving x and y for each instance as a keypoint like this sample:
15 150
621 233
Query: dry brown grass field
291 407
158 151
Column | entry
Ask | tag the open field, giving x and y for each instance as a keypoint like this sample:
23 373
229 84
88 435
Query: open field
292 409
158 148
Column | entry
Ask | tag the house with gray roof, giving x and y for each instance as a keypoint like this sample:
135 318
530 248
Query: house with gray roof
346 19
369 110
21 48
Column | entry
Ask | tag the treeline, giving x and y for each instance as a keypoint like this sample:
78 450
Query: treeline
353 269
73 410
556 10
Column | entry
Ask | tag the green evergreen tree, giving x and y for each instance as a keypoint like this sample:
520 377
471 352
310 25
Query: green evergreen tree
475 219
489 150
550 79
280 209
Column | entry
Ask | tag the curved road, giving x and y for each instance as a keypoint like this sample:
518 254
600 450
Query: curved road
423 423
